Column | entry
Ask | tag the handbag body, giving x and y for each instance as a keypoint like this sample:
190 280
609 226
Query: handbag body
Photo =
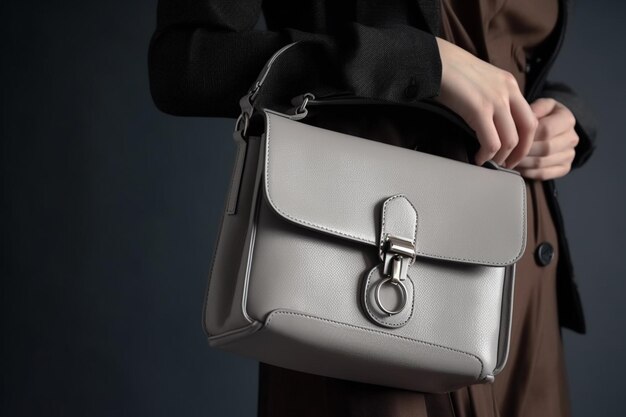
357 259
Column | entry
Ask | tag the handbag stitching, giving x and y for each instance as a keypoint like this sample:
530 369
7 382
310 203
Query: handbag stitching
382 227
362 239
295 219
292 313
376 319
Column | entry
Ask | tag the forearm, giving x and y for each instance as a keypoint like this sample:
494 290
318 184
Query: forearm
196 72
204 56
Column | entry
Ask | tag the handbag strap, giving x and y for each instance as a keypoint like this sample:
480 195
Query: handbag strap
249 107
249 103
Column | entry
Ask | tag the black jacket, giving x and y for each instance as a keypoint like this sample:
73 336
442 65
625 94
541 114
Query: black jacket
205 54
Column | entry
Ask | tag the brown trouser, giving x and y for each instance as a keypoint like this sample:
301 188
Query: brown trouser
533 383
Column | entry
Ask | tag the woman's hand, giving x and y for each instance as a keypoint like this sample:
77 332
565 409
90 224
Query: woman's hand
552 151
490 101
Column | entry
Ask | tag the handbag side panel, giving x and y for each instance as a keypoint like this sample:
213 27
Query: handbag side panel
223 312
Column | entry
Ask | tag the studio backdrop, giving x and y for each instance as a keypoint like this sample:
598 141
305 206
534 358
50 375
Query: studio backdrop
110 209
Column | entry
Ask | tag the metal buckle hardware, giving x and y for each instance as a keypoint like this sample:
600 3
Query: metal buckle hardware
397 255
301 102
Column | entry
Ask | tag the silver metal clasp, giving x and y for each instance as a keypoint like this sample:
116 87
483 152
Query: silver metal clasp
397 254
300 102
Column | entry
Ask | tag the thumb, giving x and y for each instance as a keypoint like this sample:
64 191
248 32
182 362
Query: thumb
542 107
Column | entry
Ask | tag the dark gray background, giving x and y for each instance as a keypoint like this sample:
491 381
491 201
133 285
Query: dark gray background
110 209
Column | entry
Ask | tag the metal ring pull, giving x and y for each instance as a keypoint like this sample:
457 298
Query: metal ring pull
402 290
301 109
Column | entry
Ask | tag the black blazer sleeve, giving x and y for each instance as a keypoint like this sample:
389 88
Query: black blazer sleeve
585 119
205 54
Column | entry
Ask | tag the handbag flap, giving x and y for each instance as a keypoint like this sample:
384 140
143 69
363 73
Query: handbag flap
336 184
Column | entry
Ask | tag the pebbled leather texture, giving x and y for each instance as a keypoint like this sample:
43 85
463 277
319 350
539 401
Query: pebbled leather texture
456 306
289 279
333 182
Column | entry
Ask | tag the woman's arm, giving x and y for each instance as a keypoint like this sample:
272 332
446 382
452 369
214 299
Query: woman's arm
490 101
205 54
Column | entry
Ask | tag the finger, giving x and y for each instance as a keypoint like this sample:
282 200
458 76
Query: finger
557 122
526 123
557 144
561 158
507 132
544 174
543 106
487 137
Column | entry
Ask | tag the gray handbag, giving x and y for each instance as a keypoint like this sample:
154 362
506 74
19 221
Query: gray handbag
356 259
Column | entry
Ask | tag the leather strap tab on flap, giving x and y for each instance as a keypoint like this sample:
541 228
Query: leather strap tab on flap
396 246
399 219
